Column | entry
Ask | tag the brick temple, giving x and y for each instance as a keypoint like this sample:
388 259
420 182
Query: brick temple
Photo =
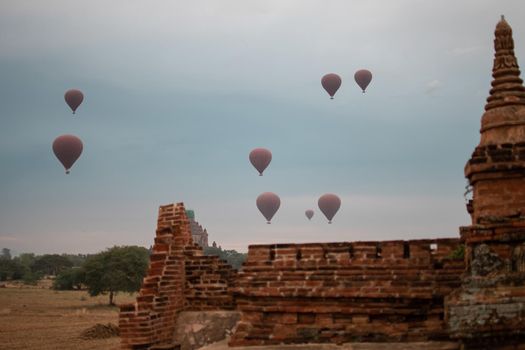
198 234
387 291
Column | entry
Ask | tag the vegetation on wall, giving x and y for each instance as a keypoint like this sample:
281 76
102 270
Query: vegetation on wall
458 253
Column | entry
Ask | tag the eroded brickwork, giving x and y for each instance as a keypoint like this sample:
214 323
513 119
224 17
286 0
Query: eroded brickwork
179 278
208 279
340 292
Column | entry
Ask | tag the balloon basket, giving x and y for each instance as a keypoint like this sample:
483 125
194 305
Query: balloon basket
268 222
67 172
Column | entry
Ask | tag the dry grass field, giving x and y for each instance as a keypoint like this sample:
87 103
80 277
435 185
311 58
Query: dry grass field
44 319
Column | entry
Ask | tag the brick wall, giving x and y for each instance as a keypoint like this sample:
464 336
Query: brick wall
293 293
179 278
339 292
208 279
496 173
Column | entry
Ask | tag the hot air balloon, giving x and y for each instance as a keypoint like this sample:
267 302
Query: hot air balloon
331 83
363 77
74 98
260 158
67 149
309 213
268 203
329 205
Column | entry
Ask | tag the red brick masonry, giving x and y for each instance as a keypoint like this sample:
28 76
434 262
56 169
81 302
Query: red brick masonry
295 293
340 292
179 278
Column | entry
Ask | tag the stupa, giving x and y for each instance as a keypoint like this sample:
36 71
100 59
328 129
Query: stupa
488 311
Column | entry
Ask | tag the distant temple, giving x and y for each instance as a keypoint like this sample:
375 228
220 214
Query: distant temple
198 234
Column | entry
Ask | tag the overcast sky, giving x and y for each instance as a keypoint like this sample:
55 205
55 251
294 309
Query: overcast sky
177 93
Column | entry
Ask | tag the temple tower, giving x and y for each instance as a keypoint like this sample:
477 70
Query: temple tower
198 234
488 312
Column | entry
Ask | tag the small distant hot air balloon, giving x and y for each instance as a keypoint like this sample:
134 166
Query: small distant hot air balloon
268 203
331 83
329 205
363 77
67 149
260 158
74 98
309 213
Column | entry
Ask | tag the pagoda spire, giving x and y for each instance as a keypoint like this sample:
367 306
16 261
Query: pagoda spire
493 283
507 86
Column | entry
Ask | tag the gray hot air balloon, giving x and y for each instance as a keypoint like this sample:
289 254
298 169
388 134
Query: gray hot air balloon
329 204
331 83
74 98
260 158
363 77
67 149
268 203
309 214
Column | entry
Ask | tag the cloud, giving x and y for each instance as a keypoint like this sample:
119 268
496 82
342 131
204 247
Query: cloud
178 92
9 239
461 51
432 86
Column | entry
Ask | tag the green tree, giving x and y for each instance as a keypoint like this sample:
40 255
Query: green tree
6 269
26 259
70 279
76 259
50 264
10 268
118 269
6 253
18 269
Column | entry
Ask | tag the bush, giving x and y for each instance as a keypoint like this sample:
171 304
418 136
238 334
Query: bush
458 253
31 277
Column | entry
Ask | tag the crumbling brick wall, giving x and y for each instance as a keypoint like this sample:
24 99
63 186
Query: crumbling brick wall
179 278
294 293
339 292
208 279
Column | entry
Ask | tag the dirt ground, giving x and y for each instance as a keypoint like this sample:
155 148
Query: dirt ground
35 318
223 345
